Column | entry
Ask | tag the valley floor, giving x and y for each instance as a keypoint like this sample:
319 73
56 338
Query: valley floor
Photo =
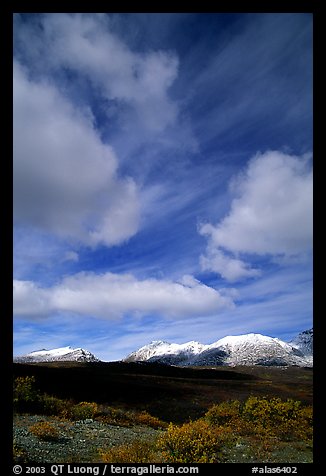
82 442
136 403
170 393
78 442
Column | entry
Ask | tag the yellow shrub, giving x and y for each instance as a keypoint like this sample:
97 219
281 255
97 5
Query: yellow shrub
283 419
223 413
146 419
45 431
269 411
84 411
300 427
264 418
194 442
135 452
117 416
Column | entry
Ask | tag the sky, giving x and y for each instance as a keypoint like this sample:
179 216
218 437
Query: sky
162 178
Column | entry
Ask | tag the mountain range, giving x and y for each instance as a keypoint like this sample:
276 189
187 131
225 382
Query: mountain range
63 354
247 349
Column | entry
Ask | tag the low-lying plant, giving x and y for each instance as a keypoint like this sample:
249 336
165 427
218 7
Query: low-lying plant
258 423
45 431
53 406
134 452
28 399
264 417
195 442
84 411
25 395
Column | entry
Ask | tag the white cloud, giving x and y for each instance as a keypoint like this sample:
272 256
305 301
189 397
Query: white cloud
110 295
229 268
270 215
65 178
29 299
83 43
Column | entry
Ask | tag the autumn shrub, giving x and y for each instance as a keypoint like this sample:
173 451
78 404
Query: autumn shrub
284 419
114 416
136 452
25 397
223 413
144 418
194 442
264 418
45 431
118 416
50 405
84 411
299 427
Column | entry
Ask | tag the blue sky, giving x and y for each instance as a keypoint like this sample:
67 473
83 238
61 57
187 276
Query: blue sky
162 178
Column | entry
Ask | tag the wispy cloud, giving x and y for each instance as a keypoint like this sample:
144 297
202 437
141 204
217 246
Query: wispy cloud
257 59
71 256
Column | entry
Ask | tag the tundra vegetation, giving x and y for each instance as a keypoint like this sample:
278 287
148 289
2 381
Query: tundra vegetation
259 428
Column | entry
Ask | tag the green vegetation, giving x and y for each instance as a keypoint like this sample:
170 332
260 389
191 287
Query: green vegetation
26 397
259 428
52 406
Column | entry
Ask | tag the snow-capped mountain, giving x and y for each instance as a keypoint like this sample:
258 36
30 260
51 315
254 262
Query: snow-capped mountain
169 353
304 342
61 354
247 349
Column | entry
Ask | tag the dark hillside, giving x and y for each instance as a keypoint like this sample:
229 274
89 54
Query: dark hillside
171 393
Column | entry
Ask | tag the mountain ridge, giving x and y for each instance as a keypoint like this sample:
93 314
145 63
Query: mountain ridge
60 354
246 349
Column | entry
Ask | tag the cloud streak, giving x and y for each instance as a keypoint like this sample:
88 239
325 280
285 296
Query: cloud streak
250 62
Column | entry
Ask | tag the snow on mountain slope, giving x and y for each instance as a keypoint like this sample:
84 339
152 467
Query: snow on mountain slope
61 354
254 349
247 349
304 342
162 348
